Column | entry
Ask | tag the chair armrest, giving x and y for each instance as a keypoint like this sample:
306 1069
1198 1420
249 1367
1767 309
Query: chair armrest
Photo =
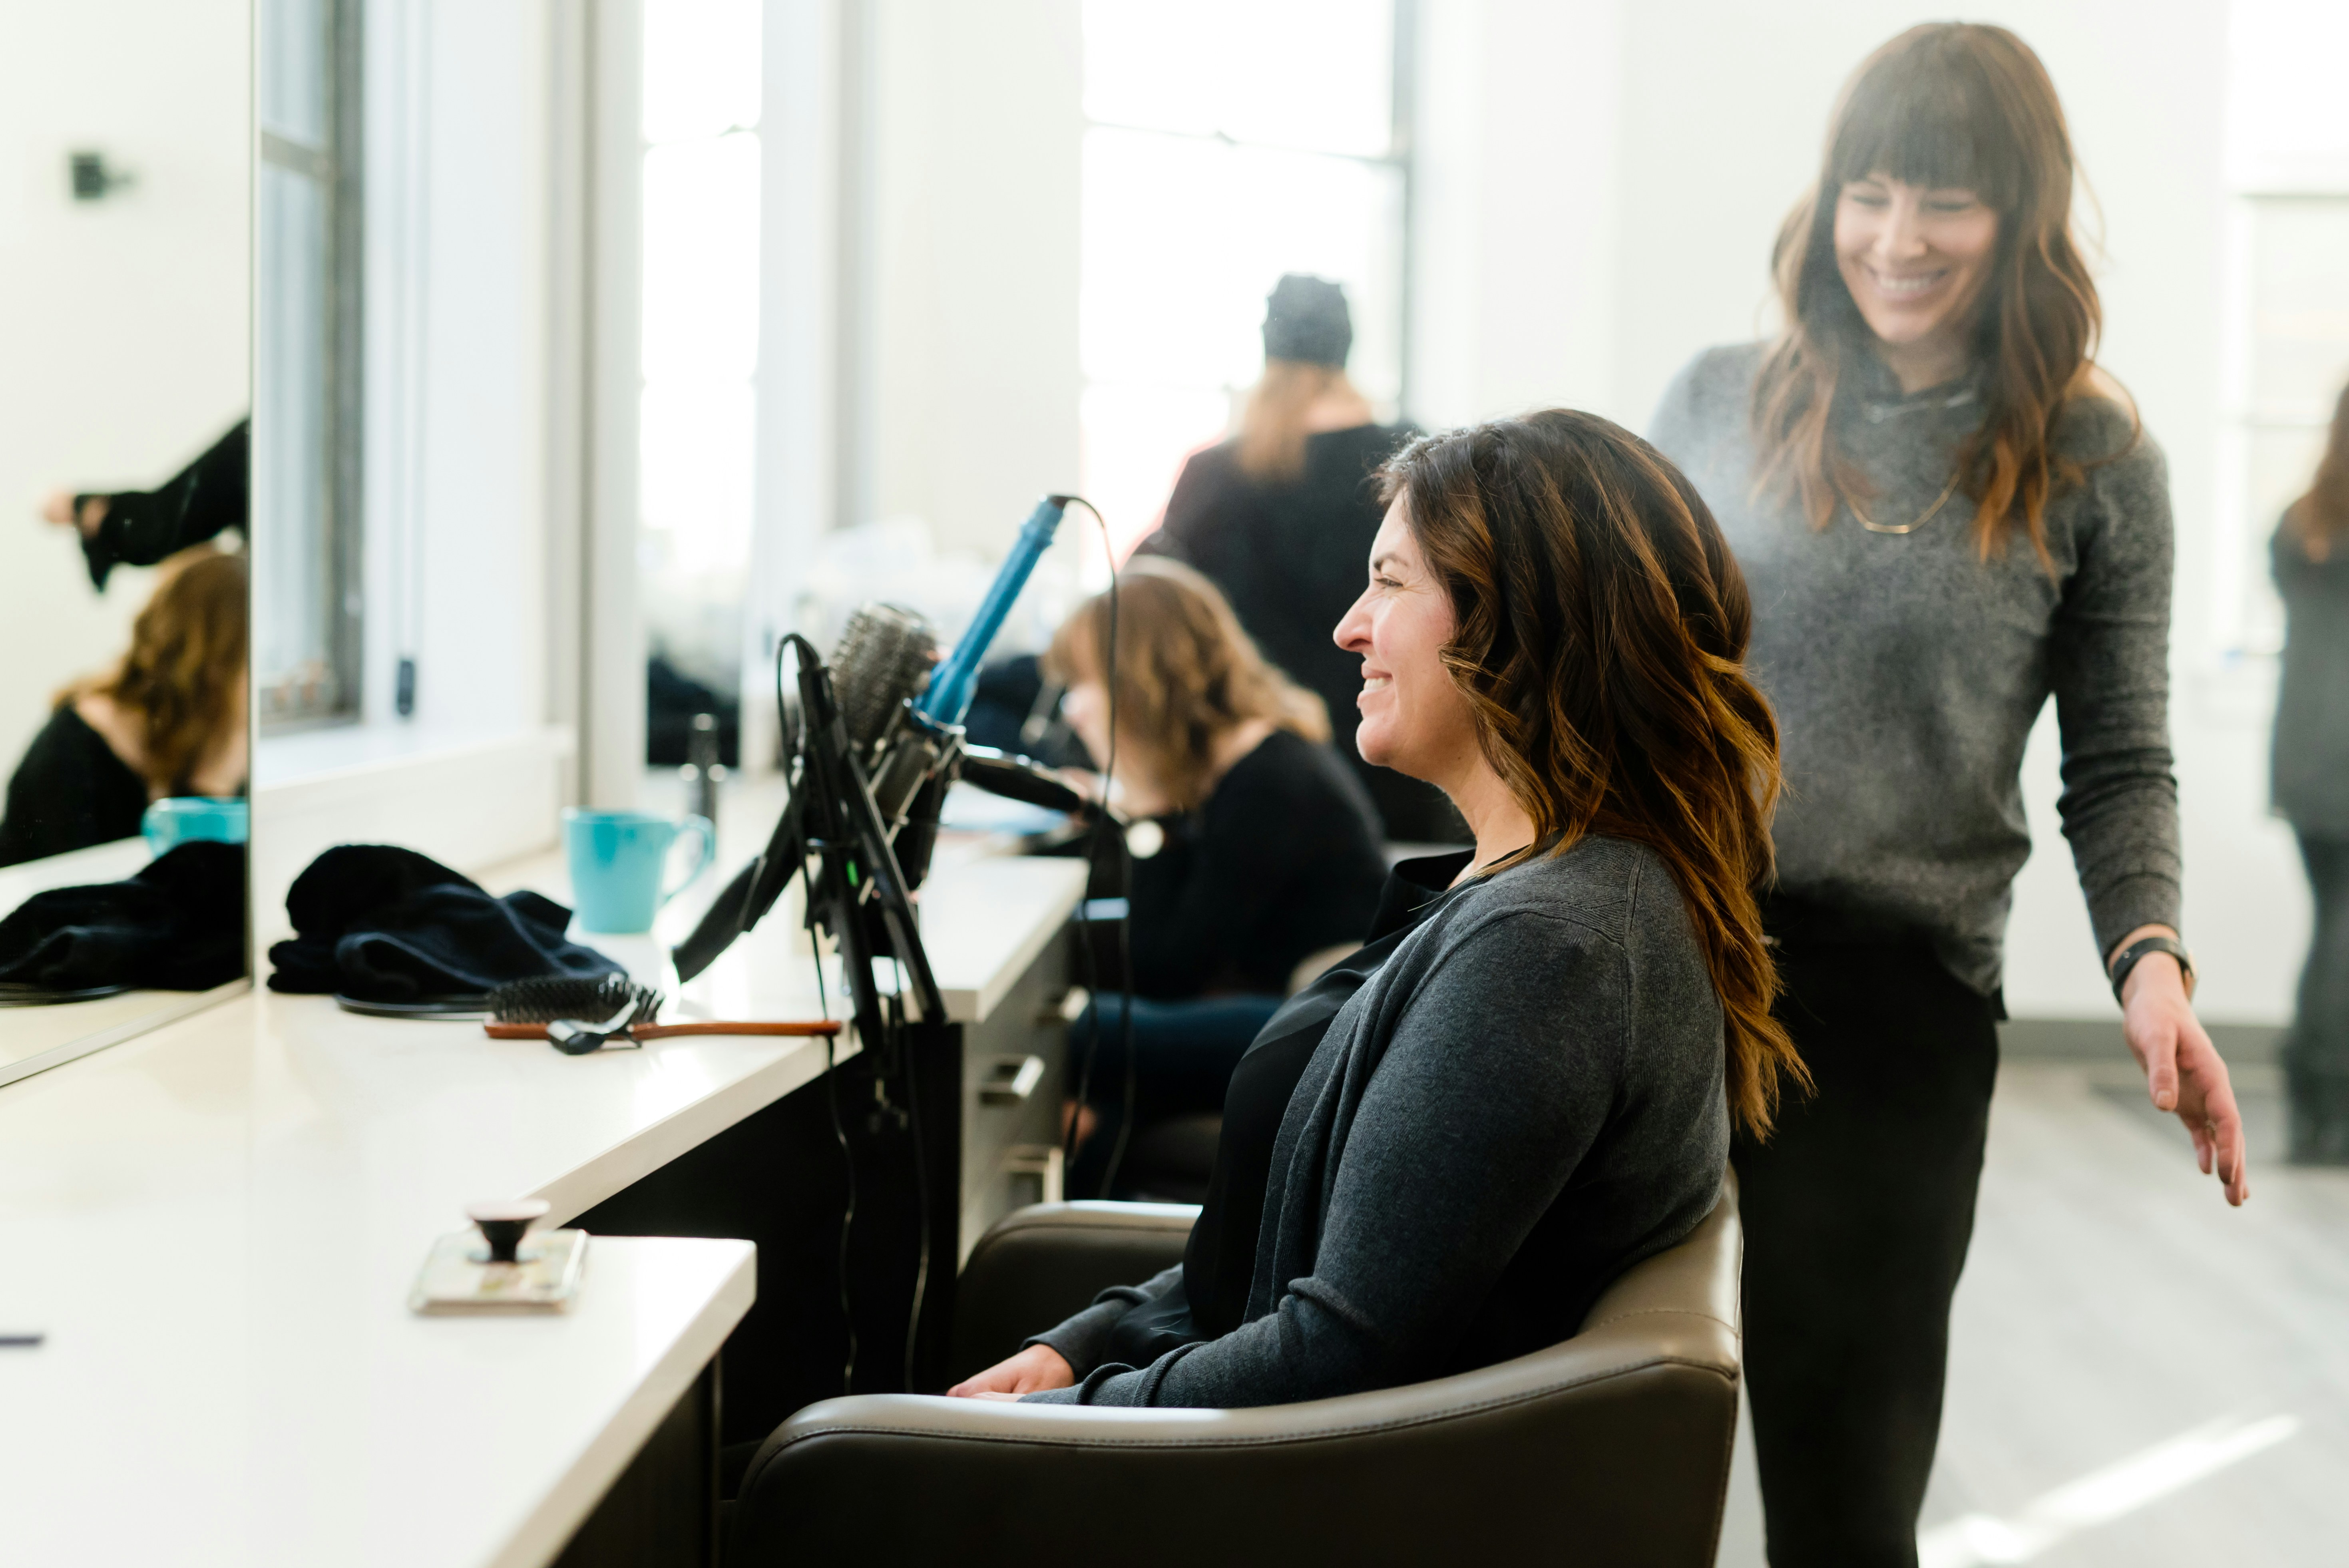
1037 1266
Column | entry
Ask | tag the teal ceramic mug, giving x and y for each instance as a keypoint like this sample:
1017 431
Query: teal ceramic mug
179 819
619 860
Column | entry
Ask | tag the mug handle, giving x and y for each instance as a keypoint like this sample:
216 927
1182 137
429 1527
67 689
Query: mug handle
705 834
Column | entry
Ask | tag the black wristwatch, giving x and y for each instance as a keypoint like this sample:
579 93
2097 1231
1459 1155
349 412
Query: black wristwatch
2129 955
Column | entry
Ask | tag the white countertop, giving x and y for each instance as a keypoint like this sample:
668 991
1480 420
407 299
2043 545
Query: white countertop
216 1224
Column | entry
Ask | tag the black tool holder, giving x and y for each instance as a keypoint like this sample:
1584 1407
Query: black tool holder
858 890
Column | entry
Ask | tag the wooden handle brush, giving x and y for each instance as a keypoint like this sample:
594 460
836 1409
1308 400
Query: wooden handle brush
665 1031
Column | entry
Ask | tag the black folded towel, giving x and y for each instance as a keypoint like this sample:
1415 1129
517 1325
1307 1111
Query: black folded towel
380 923
178 925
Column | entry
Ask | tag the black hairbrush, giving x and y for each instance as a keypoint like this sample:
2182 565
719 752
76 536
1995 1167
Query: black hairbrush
574 1015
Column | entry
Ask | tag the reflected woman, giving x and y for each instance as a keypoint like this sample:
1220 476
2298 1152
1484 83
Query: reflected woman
1947 514
167 719
2310 558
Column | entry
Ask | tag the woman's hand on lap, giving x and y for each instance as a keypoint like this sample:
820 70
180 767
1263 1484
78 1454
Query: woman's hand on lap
1032 1371
2183 1070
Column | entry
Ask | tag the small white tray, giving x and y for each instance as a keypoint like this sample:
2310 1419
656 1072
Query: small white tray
459 1276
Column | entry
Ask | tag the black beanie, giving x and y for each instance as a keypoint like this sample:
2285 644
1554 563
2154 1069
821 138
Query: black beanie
1306 318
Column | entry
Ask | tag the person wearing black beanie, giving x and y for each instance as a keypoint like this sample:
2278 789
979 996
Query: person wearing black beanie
1280 518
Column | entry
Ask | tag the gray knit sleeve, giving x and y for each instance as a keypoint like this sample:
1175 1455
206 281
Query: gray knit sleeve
2109 667
1488 1099
1083 1339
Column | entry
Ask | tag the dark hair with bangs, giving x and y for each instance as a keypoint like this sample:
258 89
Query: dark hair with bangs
1945 105
1600 623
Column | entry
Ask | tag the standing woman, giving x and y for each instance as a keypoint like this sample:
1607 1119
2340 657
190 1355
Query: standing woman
1944 518
1281 515
2311 556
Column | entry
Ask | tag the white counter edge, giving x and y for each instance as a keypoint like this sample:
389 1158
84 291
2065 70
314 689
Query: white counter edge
548 1527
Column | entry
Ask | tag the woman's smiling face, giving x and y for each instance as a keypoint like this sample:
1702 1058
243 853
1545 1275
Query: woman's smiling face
1414 719
1915 259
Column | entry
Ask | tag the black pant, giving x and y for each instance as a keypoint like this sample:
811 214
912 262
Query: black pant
2316 1052
1857 1211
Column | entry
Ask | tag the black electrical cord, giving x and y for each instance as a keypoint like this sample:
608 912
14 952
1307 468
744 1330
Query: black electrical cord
847 1162
1122 884
785 730
921 1185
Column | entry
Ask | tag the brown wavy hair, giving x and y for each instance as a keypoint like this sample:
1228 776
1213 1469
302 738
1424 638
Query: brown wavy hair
1601 626
1271 444
1186 674
1945 105
2320 518
180 677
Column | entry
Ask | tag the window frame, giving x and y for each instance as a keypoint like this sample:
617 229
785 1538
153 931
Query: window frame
336 168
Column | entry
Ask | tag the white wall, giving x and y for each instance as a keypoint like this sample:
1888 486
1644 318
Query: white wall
977 116
1603 183
458 188
124 320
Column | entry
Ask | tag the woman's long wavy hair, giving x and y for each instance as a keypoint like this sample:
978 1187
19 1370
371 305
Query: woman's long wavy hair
1601 626
1945 105
1187 674
184 669
2320 520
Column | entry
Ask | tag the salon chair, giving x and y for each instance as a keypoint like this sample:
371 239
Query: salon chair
1610 1448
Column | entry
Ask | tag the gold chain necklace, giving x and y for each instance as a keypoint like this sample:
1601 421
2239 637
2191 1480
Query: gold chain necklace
1923 519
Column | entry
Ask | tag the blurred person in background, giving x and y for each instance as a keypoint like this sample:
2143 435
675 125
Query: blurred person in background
1254 846
2311 557
167 719
140 528
1947 514
1280 516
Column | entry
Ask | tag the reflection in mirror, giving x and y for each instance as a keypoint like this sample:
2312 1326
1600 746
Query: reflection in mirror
123 648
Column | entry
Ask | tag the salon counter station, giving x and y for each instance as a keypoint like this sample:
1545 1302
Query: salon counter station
213 1228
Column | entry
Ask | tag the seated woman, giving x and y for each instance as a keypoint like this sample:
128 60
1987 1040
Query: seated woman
167 719
1436 1156
1265 849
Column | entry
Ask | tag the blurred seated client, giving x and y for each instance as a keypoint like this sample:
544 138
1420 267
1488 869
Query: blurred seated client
1437 1155
1280 516
1264 850
167 719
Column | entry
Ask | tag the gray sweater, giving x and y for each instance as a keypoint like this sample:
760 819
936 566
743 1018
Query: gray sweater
1907 672
2312 727
1522 1101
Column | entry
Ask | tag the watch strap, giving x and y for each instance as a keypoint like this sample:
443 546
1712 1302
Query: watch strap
2135 950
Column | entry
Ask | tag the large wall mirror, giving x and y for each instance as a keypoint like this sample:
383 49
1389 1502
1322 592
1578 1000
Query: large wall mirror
125 241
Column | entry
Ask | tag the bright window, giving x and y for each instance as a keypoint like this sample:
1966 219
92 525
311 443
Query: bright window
700 348
1226 144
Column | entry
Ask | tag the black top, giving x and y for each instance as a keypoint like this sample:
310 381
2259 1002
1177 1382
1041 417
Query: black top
1222 1253
1282 862
196 504
69 792
1211 1299
1292 558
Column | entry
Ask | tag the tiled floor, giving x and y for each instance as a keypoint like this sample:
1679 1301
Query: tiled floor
2140 1376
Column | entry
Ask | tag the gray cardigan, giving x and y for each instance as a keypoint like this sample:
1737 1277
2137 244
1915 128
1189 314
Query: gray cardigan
1522 1101
2311 725
1907 672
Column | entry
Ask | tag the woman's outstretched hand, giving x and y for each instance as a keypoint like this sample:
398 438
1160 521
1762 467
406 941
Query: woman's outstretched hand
1033 1370
2183 1071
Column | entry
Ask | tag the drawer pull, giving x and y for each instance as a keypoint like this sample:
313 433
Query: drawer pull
1010 1079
